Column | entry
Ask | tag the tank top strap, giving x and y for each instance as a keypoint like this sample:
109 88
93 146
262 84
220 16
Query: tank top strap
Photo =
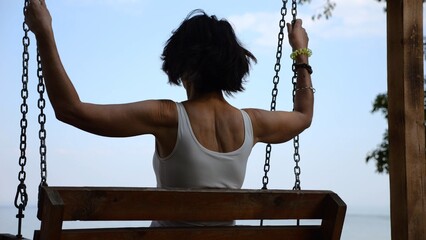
184 125
248 128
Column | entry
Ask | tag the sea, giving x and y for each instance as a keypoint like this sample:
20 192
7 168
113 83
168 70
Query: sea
357 226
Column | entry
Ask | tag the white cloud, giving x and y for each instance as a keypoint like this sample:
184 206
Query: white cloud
351 18
263 25
105 2
126 6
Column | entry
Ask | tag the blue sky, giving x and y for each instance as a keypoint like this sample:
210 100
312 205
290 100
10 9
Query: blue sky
111 50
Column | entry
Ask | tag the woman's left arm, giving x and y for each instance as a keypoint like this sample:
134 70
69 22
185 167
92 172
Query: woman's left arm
145 117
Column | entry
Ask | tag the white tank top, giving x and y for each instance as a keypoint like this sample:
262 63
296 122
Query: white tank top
190 165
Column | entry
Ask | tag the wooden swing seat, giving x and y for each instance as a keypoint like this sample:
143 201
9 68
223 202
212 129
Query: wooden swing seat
60 204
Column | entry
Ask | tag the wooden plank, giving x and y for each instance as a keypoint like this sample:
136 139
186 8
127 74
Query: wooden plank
406 116
52 216
334 217
204 233
200 205
6 236
102 203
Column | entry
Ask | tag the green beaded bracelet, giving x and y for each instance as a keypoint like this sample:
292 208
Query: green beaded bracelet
302 51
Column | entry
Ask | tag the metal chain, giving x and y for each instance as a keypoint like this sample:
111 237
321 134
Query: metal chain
294 9
42 120
296 155
276 80
21 197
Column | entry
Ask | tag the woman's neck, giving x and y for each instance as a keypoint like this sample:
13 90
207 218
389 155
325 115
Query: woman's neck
194 96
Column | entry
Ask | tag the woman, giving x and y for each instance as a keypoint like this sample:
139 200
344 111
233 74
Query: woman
203 142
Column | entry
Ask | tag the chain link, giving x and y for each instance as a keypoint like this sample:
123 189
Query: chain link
275 80
42 131
296 155
294 9
42 120
21 197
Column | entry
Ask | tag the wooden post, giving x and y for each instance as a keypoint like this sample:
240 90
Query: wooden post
406 119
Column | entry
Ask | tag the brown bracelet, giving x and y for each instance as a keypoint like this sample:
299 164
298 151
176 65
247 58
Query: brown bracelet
303 65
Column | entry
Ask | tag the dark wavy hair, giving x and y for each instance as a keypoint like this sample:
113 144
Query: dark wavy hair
207 52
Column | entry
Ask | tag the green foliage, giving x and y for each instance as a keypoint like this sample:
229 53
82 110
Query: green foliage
381 104
381 153
326 9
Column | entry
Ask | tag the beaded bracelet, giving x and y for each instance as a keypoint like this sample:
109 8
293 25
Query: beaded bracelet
302 51
303 88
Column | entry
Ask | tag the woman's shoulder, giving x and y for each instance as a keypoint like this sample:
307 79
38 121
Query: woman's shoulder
162 111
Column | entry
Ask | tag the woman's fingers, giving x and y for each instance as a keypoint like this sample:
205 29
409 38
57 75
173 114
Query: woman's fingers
37 17
297 24
297 35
